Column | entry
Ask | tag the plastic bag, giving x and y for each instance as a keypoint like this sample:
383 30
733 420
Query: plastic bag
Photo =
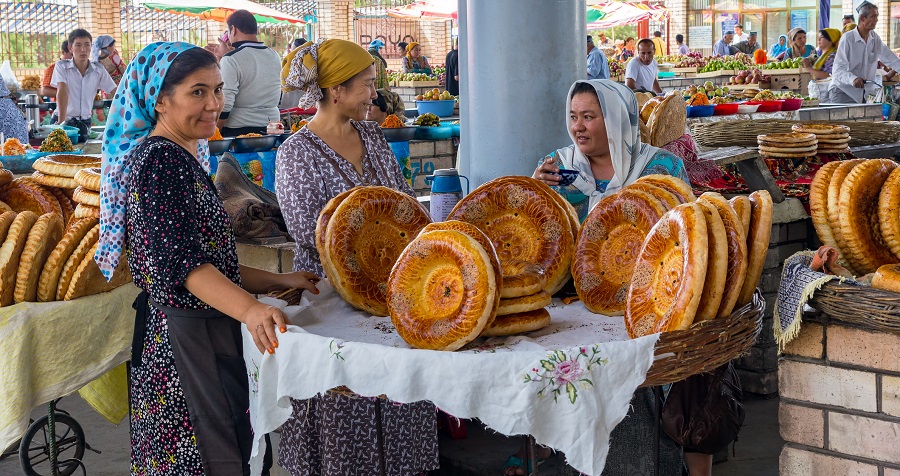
813 89
9 78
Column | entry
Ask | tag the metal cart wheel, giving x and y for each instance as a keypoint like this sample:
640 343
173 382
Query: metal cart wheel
39 449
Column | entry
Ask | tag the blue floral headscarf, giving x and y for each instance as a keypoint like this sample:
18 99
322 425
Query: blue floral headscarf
132 118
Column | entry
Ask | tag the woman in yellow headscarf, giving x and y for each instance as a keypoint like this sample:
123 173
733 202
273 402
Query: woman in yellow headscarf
827 42
415 61
336 434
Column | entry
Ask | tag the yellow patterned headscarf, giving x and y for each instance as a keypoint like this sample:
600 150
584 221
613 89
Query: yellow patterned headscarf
409 49
312 67
833 35
849 27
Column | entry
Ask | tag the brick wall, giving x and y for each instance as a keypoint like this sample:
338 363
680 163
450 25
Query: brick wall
678 23
335 19
100 17
427 156
840 401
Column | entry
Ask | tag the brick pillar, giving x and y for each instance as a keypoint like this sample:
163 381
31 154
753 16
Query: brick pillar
678 23
335 19
884 18
214 30
101 17
436 40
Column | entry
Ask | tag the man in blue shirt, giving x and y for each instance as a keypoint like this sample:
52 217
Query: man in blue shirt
723 47
597 67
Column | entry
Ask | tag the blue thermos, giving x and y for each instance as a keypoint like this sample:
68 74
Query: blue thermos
446 192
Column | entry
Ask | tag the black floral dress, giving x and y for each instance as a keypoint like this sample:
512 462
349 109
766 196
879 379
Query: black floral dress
175 222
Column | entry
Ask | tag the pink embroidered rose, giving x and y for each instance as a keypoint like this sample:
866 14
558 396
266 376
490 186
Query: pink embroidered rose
567 371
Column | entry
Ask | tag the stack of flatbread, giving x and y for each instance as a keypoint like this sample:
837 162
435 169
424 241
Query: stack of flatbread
787 145
831 138
854 206
662 119
56 173
87 194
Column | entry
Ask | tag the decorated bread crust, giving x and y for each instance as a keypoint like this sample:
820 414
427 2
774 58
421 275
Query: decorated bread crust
820 128
667 198
858 215
521 278
888 215
757 242
518 323
674 185
6 176
365 236
86 211
524 223
442 291
608 245
741 206
48 283
86 197
24 194
88 280
74 260
42 239
737 252
787 138
667 121
524 303
571 213
6 220
717 264
887 277
322 222
53 180
669 273
89 178
833 208
65 165
818 203
11 252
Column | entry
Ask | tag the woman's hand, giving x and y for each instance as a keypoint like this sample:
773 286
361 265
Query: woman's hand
296 280
547 172
807 63
261 320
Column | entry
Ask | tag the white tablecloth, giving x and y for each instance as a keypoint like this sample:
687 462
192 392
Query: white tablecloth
568 385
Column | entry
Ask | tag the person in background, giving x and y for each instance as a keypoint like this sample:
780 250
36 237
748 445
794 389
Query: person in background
855 69
682 48
381 77
749 45
252 92
779 47
827 40
415 61
641 73
46 89
401 46
604 41
387 103
847 20
627 50
658 43
451 62
336 434
77 81
12 121
104 52
620 47
848 27
597 67
739 35
159 210
798 47
723 47
297 43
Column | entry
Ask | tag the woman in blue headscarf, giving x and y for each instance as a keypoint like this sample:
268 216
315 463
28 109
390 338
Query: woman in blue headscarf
779 47
189 390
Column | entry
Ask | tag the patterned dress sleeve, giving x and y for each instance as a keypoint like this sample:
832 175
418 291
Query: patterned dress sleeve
387 161
168 233
666 163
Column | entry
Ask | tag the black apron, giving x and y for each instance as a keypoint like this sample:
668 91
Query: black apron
210 364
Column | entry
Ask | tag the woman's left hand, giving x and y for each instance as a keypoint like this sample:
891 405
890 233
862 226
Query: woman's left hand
807 63
296 280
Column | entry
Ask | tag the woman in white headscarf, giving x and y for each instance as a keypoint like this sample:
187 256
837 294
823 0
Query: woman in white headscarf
602 119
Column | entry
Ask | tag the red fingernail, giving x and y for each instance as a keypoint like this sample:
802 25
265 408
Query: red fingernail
275 344
271 350
283 329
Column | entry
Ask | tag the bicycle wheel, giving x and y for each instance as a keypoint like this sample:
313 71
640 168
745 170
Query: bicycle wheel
34 450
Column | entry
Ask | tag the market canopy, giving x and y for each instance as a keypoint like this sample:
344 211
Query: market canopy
601 16
219 10
427 9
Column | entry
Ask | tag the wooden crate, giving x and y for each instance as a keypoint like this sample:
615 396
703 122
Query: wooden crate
689 70
717 74
743 87
782 72
418 84
781 83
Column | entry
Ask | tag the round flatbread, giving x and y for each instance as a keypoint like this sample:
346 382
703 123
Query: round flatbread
24 194
787 138
365 236
523 303
716 266
65 165
674 185
11 252
757 242
763 149
74 261
737 252
669 273
858 215
518 323
86 211
834 195
6 176
41 241
6 220
820 128
776 144
442 291
741 206
521 278
322 222
788 155
88 178
888 215
66 205
667 120
887 277
818 203
837 140
86 197
524 223
48 283
668 199
608 246
53 180
89 280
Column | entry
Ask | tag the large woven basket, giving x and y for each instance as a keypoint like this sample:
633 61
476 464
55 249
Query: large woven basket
705 345
860 306
743 133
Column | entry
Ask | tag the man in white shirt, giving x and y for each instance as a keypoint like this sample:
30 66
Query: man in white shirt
641 72
739 35
77 81
855 70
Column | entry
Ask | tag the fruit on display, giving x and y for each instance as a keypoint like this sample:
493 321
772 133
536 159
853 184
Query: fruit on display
434 95
738 61
789 63
751 76
616 67
428 120
400 76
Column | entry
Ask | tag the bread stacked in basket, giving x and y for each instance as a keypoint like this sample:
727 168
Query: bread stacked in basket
854 206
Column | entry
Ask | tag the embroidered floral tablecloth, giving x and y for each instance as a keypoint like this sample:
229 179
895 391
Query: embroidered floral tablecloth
568 385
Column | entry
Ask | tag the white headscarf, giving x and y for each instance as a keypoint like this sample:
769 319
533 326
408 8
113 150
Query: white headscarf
629 155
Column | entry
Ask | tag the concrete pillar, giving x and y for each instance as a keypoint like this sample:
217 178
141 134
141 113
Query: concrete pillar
514 82
101 17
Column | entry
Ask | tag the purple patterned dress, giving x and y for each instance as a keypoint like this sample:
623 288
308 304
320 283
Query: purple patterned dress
336 434
174 223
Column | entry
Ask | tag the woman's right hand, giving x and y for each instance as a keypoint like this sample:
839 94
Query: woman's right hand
547 172
262 320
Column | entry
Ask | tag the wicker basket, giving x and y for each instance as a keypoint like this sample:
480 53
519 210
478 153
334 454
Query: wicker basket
705 345
860 306
743 133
